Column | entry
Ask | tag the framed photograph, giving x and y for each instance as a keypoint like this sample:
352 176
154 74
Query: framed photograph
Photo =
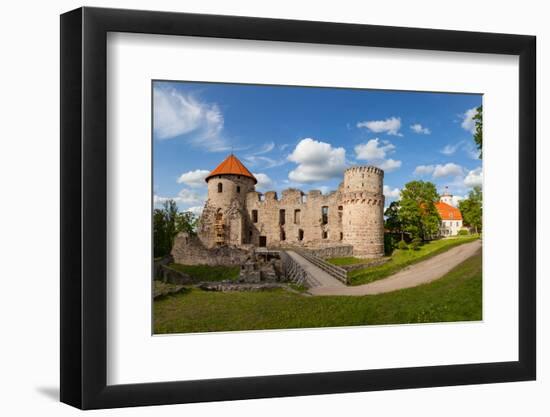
259 208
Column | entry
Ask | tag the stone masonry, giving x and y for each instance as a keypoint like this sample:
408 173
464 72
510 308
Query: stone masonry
236 215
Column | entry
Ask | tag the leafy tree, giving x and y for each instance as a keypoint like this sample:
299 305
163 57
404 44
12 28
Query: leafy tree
393 222
478 134
167 223
417 213
472 209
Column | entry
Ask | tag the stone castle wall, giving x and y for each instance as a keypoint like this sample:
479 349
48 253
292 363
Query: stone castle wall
352 215
295 218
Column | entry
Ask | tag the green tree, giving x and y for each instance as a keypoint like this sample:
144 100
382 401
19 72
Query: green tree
417 213
168 221
472 209
393 222
478 134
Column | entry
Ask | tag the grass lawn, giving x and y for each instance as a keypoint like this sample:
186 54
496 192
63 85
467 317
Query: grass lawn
403 258
455 297
209 273
349 260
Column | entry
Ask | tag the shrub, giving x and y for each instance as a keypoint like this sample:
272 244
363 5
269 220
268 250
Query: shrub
416 243
402 245
463 232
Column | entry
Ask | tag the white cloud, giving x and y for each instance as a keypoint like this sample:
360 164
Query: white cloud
424 170
474 178
468 122
388 165
389 193
179 114
390 126
438 171
316 161
373 150
450 149
184 197
263 161
267 147
194 178
418 128
447 170
196 210
264 182
471 150
375 153
456 199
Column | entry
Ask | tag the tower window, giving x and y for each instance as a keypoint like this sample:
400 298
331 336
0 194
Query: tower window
341 236
238 188
324 214
281 217
254 216
300 235
220 187
325 234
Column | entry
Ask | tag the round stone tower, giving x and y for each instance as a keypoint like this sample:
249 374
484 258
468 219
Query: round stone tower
362 201
223 219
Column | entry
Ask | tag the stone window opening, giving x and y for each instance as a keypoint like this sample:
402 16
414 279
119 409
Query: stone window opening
297 216
304 198
283 235
300 235
324 214
238 188
220 187
341 236
340 213
282 217
325 234
254 216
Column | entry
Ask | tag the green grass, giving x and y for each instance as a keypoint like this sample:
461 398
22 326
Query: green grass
349 260
403 258
454 297
209 273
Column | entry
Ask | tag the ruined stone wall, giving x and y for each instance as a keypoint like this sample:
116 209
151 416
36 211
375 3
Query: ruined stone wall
189 250
303 218
238 215
363 216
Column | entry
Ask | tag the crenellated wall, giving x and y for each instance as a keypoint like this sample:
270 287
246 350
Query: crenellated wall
352 215
303 218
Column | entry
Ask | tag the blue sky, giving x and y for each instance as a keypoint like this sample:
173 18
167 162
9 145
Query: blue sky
304 137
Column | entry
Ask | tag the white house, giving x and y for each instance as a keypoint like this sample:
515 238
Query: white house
451 218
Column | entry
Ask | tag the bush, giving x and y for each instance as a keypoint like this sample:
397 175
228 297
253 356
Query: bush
416 243
402 245
463 232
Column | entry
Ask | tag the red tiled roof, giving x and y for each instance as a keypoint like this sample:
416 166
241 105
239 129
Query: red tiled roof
231 165
448 212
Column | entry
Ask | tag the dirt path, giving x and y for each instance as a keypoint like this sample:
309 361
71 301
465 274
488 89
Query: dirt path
420 273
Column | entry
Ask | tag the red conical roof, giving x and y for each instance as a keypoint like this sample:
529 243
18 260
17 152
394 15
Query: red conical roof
231 165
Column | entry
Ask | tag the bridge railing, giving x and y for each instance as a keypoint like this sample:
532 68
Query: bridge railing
294 272
339 273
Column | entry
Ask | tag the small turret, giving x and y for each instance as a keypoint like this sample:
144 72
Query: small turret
446 197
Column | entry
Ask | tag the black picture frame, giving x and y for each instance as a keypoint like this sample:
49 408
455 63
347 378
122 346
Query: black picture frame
84 207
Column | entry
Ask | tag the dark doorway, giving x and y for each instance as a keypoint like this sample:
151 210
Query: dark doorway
263 241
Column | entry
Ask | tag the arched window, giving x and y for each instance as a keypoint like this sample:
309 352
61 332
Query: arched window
220 187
